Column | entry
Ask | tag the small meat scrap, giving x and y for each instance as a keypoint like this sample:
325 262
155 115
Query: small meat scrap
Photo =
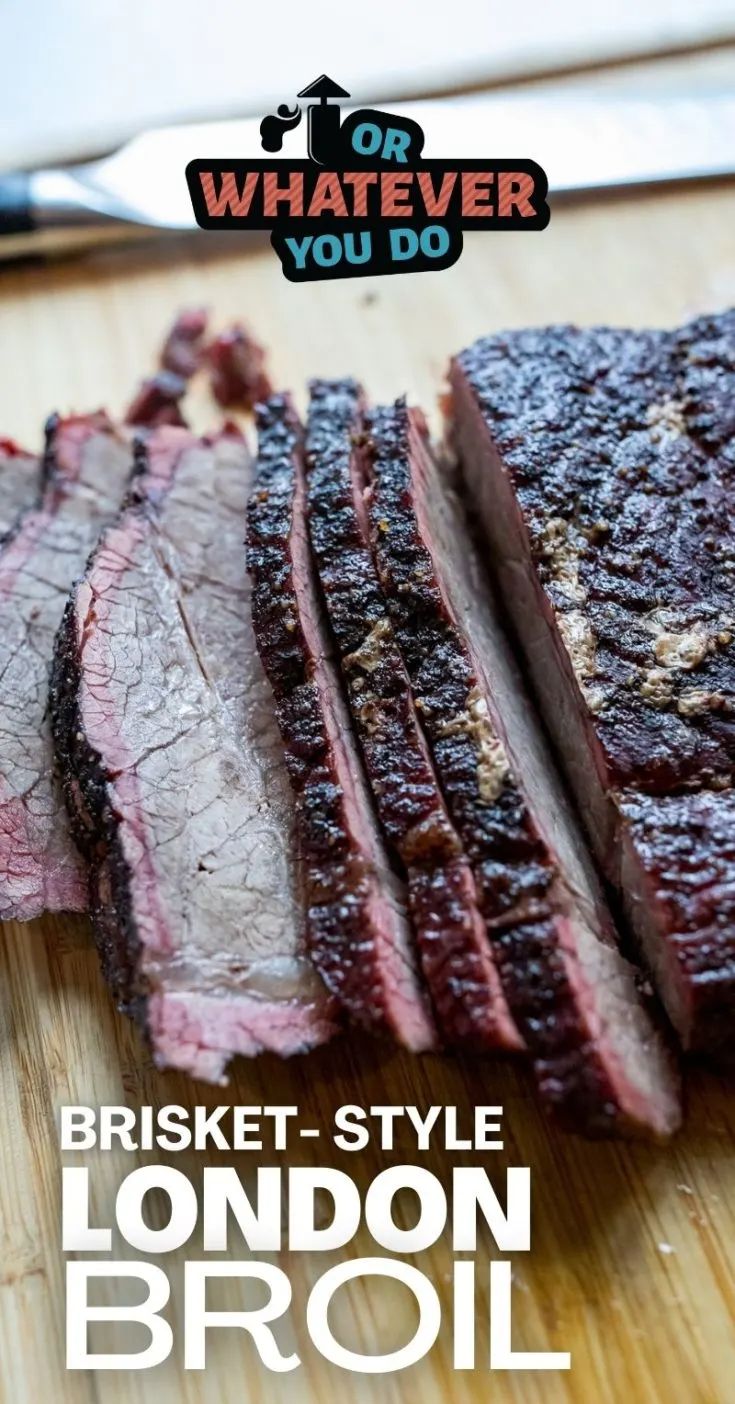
158 402
237 369
183 350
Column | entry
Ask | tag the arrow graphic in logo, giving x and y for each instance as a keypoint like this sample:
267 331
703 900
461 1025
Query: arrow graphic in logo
323 119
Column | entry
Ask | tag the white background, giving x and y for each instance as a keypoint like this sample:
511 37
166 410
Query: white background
78 76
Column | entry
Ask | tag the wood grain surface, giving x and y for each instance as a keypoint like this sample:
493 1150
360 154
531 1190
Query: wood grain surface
631 1265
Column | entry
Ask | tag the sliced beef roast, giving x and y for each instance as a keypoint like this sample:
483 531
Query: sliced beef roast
84 475
603 466
174 773
600 1062
455 954
358 931
19 475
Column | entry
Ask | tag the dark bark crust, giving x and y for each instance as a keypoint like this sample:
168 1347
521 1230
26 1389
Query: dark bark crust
574 1082
342 885
409 803
620 447
499 836
86 791
455 954
93 827
89 806
686 847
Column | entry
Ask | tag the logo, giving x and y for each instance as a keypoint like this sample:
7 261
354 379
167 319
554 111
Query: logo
366 200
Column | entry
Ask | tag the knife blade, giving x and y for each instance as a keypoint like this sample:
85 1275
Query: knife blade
585 141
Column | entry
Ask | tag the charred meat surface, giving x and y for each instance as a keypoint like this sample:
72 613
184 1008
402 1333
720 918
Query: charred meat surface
455 954
84 475
357 929
619 448
602 465
599 1060
19 483
678 866
237 367
174 774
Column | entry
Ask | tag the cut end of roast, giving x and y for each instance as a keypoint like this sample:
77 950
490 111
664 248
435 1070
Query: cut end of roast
600 463
601 1063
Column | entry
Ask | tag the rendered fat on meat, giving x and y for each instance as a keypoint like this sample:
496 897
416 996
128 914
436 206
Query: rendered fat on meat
357 926
456 957
602 463
600 1061
174 772
85 471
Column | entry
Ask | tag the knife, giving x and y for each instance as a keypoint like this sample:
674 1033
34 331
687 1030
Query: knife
585 141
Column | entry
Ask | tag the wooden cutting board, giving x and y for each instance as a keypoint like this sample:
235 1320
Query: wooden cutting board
631 1267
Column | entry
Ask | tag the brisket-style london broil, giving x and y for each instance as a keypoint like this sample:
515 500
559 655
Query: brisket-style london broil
602 463
174 775
599 1059
85 470
357 929
456 957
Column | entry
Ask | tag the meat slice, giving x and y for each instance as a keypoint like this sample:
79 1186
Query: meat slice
455 954
358 932
600 1062
84 474
19 482
174 774
602 466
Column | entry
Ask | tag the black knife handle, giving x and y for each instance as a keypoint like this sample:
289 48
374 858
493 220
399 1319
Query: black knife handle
16 215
